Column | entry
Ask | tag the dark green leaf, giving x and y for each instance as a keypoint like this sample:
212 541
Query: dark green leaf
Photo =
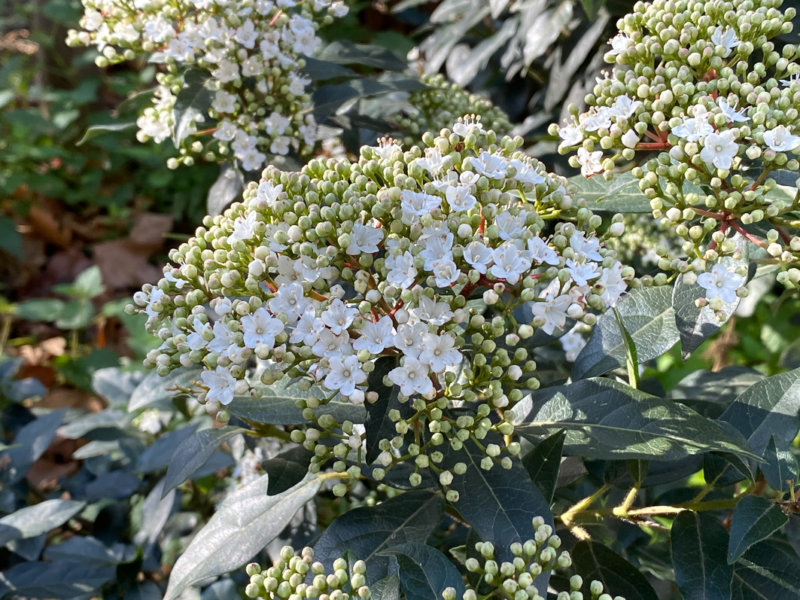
609 420
60 579
83 549
378 425
595 561
767 572
224 589
286 469
155 389
648 317
193 452
194 99
157 455
710 392
698 556
770 407
29 444
146 590
328 99
114 484
754 519
347 53
425 572
781 465
76 314
696 324
369 531
156 510
225 190
115 385
37 519
321 70
544 462
387 588
95 130
10 238
40 309
620 194
246 521
105 419
499 503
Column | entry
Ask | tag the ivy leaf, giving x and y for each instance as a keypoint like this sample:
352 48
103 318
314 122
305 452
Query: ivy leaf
193 452
39 518
619 195
596 561
781 465
370 530
544 462
194 99
698 556
769 407
754 519
246 521
608 420
767 571
425 572
648 317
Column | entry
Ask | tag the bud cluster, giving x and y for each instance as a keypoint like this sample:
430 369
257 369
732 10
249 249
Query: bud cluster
445 102
707 103
514 580
296 577
438 261
239 59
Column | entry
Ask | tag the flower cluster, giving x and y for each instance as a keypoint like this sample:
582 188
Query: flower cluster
231 88
444 102
707 104
430 267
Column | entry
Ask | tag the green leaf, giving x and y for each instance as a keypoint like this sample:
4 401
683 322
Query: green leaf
277 404
648 317
193 100
96 130
346 53
226 189
287 469
544 462
378 425
76 314
424 571
39 518
499 503
83 549
620 194
193 452
40 309
321 70
387 588
767 571
595 561
246 521
631 358
329 99
29 444
781 464
60 579
770 407
754 519
712 391
370 530
158 454
609 420
698 556
158 390
10 238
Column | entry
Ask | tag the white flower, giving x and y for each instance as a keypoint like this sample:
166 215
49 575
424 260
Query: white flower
781 139
598 117
467 124
478 256
539 251
590 161
438 352
571 135
727 39
244 228
345 374
492 166
195 340
620 43
793 79
375 336
416 204
223 339
401 270
221 385
553 311
586 247
338 316
329 344
525 172
612 284
307 329
150 422
719 150
511 226
260 328
630 139
624 107
412 377
459 198
694 129
445 272
730 112
509 263
433 161
721 282
364 238
267 195
289 300
408 338
436 249
224 102
572 342
435 313
582 273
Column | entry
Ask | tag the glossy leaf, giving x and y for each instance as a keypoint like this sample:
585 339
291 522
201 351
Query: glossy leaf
608 420
193 100
370 531
649 319
158 454
59 579
544 462
37 519
287 469
193 452
754 519
767 572
425 572
595 561
710 392
378 425
347 53
770 407
387 588
619 195
96 130
83 549
321 70
780 467
226 189
156 511
241 526
157 390
698 545
29 444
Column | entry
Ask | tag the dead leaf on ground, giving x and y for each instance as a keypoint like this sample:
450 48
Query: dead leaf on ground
46 226
56 462
71 398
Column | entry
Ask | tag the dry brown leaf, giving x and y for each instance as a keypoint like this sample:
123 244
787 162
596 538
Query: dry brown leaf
123 266
46 226
148 232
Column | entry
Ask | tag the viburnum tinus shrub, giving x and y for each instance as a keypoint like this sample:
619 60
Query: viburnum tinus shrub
422 271
231 65
704 101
